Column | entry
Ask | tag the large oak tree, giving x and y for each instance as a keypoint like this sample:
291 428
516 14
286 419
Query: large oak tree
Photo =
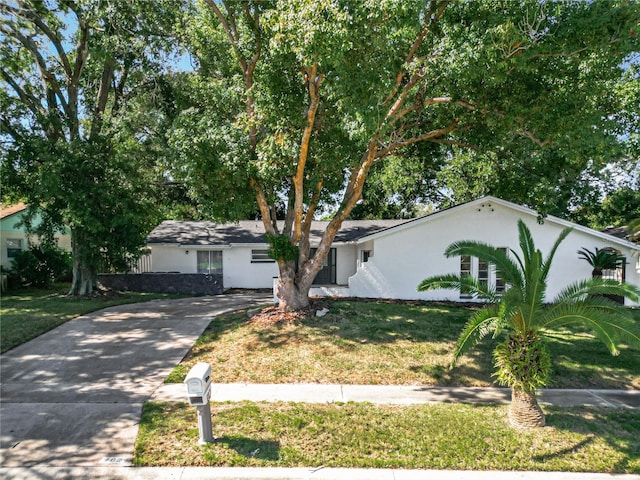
78 123
295 102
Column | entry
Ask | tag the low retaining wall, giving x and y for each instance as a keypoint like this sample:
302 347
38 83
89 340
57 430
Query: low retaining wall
187 283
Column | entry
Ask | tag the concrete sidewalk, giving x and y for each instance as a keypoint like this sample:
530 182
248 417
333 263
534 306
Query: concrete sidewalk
319 473
395 394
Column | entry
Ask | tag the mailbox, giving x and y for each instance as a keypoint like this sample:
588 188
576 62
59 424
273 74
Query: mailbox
198 382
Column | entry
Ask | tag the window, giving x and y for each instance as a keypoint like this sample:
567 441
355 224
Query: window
465 270
500 285
484 272
14 247
210 262
365 255
261 256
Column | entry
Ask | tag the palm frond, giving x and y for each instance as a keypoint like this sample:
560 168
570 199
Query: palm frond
535 289
465 283
596 286
505 266
587 255
507 308
610 323
526 244
601 259
547 263
482 323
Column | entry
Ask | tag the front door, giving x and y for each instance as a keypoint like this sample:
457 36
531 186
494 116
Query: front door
326 276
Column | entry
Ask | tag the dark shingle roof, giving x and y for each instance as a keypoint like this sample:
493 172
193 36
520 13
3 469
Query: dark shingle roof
623 233
249 231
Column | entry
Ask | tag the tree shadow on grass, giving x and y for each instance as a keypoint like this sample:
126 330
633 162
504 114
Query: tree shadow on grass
249 448
563 451
618 427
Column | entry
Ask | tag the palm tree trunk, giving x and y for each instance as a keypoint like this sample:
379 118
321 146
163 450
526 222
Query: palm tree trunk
524 411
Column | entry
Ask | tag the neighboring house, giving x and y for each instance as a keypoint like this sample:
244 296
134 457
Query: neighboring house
386 258
13 236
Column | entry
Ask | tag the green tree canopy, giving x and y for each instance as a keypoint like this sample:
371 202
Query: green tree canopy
295 102
78 123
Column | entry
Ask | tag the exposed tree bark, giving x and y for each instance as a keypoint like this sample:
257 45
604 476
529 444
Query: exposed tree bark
293 288
295 281
85 275
524 411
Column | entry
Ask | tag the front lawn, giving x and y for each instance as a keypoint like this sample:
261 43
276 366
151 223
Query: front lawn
362 435
28 313
377 342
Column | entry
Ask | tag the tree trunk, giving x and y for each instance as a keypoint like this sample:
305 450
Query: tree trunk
293 287
85 277
524 411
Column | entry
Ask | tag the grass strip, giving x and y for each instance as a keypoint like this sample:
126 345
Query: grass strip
362 435
28 313
376 342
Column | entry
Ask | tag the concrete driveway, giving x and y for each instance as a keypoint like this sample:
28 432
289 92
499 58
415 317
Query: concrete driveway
74 395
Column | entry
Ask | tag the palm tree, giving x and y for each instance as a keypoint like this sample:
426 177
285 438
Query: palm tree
522 360
601 260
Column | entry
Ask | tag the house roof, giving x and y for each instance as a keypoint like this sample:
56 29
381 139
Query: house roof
252 232
504 203
8 210
622 232
186 233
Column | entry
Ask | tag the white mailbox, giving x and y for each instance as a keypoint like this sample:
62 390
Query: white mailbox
198 382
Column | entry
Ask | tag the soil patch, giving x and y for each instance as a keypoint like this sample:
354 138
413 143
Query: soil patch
273 315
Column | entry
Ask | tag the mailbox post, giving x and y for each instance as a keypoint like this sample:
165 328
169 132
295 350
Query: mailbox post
198 383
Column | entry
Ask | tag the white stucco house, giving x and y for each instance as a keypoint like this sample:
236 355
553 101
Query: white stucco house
387 258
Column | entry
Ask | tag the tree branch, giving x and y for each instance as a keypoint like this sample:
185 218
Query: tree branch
28 99
103 97
314 79
27 13
48 79
420 138
306 227
270 225
542 143
230 29
436 13
82 52
6 127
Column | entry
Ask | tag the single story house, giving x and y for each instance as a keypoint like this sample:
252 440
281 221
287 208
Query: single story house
387 258
14 237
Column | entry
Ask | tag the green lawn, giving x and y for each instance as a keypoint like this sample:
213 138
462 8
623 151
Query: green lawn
376 342
362 435
27 313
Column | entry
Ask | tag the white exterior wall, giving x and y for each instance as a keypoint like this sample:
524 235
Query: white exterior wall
403 257
237 269
239 272
346 256
173 259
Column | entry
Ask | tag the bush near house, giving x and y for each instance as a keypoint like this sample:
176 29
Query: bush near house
40 267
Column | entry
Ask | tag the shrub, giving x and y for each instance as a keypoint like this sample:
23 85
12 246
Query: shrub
40 266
